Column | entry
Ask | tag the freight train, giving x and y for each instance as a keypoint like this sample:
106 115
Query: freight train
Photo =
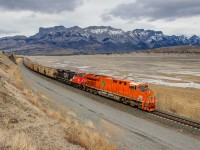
125 91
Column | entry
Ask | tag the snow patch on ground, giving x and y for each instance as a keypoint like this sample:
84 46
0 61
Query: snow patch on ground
160 77
83 67
180 72
181 85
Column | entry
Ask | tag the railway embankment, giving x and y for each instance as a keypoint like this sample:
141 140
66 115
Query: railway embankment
28 122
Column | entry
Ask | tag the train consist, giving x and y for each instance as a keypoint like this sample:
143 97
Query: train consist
125 91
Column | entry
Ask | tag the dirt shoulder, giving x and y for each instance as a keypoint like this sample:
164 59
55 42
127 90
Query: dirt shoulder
26 123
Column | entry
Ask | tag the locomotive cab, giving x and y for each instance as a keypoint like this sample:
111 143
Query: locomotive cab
149 100
79 78
143 87
142 93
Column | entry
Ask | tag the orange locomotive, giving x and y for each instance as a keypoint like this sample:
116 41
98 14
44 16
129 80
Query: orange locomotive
134 94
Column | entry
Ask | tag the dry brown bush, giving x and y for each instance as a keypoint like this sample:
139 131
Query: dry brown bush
86 138
79 134
15 141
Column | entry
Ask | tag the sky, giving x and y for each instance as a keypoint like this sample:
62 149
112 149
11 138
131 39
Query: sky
173 17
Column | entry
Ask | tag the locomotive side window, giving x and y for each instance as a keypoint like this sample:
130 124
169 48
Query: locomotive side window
124 83
114 81
120 82
133 87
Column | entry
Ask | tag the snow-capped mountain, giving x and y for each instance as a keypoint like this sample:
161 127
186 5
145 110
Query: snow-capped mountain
93 39
194 40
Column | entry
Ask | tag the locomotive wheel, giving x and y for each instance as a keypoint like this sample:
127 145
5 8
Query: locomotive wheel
124 101
91 91
132 104
87 90
81 87
95 92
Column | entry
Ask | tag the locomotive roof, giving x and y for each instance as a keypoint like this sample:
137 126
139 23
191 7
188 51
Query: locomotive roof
136 83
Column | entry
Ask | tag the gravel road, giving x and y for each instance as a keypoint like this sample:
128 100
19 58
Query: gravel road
129 131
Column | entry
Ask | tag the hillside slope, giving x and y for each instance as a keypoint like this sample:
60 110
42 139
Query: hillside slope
26 123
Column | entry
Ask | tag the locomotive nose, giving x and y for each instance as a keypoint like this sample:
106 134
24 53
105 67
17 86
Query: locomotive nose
150 101
150 96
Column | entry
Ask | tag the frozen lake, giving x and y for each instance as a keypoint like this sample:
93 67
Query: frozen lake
163 69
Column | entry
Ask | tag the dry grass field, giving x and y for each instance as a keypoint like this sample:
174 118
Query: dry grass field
27 124
183 101
175 78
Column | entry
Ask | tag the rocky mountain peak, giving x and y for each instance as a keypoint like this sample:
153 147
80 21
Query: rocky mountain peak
194 40
51 29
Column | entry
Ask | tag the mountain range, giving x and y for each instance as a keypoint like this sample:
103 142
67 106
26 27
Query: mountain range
91 40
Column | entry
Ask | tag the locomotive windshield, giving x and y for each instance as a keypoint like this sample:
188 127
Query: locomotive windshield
143 88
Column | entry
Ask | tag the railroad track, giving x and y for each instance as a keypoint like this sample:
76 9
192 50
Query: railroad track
177 119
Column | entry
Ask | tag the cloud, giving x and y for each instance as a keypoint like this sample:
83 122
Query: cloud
106 17
44 6
156 9
5 31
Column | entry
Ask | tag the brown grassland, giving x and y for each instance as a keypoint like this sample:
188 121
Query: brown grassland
182 101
